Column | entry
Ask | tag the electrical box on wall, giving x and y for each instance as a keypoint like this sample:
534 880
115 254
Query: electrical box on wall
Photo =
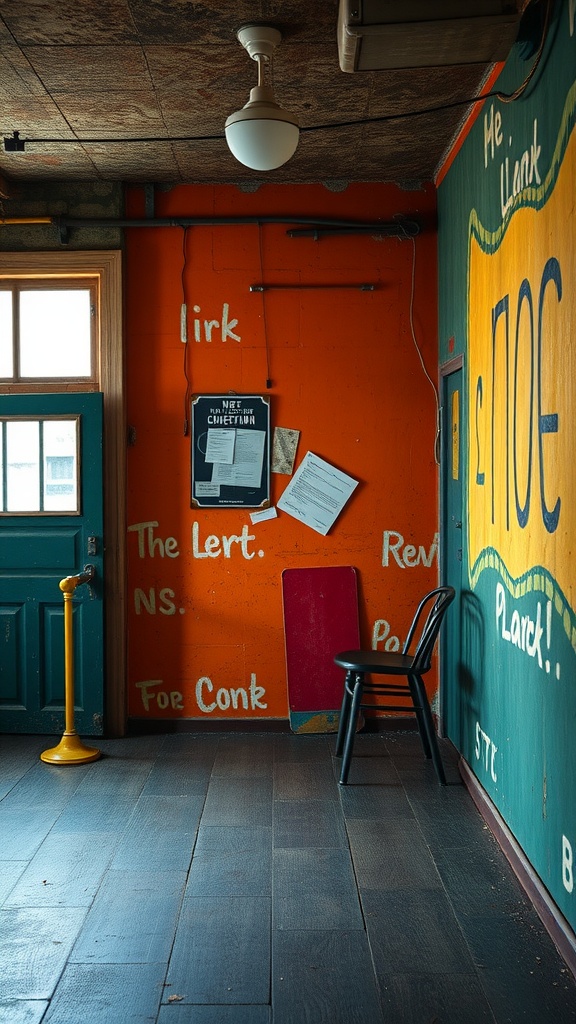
379 35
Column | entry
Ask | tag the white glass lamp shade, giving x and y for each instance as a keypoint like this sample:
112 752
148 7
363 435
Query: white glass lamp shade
262 135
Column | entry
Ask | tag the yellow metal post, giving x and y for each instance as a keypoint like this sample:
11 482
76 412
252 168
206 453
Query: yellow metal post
70 750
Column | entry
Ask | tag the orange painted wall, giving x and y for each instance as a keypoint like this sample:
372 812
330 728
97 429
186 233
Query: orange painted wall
345 372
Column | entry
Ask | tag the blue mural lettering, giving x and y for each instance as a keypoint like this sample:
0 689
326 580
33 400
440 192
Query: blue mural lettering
547 423
505 407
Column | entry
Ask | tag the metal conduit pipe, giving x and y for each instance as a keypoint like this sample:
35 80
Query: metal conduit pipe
26 220
316 225
403 227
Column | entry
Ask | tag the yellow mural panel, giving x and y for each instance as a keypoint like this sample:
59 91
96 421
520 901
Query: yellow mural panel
522 389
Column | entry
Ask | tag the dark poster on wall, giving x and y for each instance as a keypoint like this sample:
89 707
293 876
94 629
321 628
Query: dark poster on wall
230 451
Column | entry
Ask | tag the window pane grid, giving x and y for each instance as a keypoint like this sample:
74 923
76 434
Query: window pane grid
54 336
48 332
7 361
23 465
39 466
2 464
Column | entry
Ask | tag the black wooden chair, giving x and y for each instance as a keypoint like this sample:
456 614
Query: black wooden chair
422 634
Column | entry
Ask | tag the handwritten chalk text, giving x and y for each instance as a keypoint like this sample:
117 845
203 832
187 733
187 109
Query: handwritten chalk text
406 555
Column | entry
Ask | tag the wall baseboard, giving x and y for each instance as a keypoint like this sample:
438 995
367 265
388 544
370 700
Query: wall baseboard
553 920
155 726
151 726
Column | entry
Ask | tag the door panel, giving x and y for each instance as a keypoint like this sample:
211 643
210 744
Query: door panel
453 535
36 552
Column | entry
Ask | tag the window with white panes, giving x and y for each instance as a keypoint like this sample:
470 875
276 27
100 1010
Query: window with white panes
39 460
48 333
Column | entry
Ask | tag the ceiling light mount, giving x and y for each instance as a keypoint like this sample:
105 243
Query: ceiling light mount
262 135
259 40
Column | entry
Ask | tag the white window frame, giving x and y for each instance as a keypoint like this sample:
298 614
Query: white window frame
19 381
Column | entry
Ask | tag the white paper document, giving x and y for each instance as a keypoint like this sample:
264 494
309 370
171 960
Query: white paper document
220 444
245 470
317 493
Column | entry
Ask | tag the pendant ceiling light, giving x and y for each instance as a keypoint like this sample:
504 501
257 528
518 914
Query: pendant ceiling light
261 135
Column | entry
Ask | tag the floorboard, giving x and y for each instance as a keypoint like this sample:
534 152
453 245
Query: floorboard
10 872
123 778
391 854
90 814
22 1011
107 994
182 1014
18 754
302 749
415 931
242 756
222 951
323 977
214 878
527 996
231 861
179 775
160 834
132 919
35 945
23 830
448 998
45 787
307 780
385 800
237 800
303 823
315 889
65 872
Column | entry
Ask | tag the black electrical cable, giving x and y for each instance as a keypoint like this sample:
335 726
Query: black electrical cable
265 325
510 97
382 119
184 331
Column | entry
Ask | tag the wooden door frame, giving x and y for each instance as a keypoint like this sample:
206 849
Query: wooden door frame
445 370
106 265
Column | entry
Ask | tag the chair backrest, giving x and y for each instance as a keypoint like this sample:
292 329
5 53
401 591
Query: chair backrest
434 606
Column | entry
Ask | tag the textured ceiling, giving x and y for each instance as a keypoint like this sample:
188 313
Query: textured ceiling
117 69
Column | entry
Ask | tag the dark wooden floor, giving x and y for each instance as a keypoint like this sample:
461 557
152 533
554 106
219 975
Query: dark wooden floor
228 879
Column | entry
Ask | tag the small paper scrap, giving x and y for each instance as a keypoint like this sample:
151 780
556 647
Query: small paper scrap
284 447
264 514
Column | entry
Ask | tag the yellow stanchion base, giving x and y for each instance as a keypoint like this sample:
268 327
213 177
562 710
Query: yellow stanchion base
70 750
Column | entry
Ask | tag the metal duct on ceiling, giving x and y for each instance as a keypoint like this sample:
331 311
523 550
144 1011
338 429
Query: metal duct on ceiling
379 35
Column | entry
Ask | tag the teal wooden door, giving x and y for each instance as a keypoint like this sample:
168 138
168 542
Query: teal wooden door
452 541
51 526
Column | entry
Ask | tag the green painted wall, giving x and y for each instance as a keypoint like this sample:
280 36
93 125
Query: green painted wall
507 279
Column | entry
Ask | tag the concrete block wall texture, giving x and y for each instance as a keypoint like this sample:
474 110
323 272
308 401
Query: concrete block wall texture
206 635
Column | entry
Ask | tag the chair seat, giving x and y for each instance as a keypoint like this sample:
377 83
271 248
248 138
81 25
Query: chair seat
413 666
388 663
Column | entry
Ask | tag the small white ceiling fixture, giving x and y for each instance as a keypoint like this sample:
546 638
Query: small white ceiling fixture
262 135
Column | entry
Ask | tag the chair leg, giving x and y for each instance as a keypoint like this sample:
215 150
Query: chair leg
422 724
344 713
429 731
418 702
351 727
